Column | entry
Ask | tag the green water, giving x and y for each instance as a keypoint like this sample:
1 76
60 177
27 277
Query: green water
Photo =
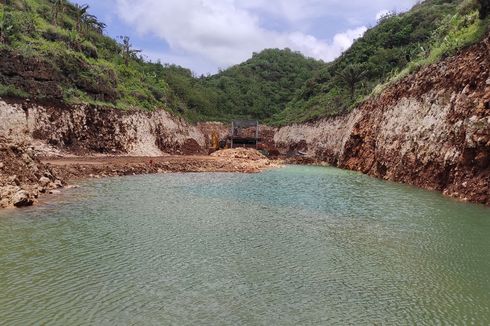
293 246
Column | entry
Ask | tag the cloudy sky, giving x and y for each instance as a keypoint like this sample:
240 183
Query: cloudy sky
205 35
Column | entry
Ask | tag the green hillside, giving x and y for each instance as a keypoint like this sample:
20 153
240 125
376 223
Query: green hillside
397 46
263 85
54 50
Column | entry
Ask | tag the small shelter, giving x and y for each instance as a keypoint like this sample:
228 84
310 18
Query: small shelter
244 133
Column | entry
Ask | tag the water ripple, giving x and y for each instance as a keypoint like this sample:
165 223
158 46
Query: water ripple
295 246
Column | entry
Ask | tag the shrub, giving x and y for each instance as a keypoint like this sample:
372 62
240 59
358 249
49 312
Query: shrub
12 91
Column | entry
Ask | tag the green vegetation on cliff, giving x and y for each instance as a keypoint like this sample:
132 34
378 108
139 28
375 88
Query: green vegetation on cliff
55 50
398 45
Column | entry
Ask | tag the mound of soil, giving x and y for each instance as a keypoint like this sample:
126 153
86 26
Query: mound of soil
240 153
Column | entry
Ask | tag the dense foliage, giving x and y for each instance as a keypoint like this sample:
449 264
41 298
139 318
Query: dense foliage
65 43
263 85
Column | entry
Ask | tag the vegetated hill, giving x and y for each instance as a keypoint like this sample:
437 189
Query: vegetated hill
258 88
398 45
56 50
263 85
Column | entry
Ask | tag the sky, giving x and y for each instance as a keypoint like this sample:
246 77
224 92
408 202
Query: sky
208 35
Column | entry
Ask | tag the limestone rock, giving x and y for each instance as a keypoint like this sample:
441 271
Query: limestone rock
44 182
22 199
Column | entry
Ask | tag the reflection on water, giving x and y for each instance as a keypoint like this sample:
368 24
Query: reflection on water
293 246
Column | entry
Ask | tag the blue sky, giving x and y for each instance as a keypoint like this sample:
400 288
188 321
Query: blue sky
205 35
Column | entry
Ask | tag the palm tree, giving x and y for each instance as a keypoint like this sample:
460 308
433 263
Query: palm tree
81 13
91 22
127 49
58 7
86 21
351 76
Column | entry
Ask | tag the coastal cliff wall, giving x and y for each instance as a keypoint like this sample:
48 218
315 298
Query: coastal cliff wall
91 130
431 129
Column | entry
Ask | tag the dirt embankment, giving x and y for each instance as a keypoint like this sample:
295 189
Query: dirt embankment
75 168
431 129
82 130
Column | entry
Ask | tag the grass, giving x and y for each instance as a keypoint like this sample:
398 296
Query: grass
12 91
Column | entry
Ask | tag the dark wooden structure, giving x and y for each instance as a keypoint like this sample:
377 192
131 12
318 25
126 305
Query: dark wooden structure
244 133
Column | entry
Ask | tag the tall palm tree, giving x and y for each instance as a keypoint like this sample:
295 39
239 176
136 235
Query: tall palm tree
351 76
58 7
127 49
91 22
81 13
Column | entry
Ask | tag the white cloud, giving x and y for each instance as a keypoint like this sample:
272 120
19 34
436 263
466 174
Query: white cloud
227 32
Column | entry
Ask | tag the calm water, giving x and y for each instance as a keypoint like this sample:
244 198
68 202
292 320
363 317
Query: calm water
293 246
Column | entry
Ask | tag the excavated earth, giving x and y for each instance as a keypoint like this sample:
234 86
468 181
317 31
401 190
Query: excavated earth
431 129
23 178
43 146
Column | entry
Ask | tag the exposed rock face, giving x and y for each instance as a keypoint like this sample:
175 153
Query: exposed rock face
89 130
431 129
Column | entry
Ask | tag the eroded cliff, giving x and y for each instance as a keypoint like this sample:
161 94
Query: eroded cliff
431 129
91 130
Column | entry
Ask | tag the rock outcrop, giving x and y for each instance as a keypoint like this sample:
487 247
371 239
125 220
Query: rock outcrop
22 176
431 129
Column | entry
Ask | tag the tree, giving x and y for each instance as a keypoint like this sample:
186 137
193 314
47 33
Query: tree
86 21
127 49
58 7
484 8
91 22
351 76
81 14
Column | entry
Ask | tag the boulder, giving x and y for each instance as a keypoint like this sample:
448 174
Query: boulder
44 181
55 185
22 199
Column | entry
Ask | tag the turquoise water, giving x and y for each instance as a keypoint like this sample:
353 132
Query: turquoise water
292 246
